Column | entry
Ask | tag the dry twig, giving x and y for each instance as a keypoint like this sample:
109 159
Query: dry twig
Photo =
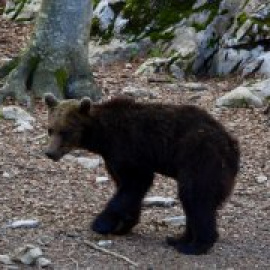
114 254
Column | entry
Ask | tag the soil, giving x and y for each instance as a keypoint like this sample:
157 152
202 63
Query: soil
65 196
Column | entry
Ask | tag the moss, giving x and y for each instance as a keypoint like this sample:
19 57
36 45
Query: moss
32 65
212 42
1 113
155 52
61 76
240 103
155 36
95 26
9 66
158 15
95 3
224 12
241 19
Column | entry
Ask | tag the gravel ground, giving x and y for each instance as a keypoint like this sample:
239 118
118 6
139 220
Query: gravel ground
65 197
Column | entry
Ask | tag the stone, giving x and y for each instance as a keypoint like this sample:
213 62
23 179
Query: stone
89 163
175 221
239 97
119 24
102 179
159 201
6 175
28 12
138 92
227 61
177 72
23 119
184 44
242 31
105 243
27 254
43 262
252 67
16 113
117 50
104 13
5 259
192 86
261 179
152 66
27 223
265 66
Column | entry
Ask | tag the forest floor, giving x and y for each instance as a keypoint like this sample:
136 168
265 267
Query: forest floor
65 196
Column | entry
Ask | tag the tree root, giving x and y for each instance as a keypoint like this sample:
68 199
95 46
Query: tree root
36 75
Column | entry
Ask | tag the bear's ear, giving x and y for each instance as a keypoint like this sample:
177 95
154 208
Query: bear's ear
85 105
50 100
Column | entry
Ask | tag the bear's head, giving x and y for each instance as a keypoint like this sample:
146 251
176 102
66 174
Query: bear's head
66 120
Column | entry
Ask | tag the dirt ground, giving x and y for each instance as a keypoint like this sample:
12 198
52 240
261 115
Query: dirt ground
65 197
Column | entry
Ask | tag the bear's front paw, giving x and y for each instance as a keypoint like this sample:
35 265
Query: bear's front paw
189 248
111 223
105 224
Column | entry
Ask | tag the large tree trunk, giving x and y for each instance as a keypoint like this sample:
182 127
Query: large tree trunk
56 60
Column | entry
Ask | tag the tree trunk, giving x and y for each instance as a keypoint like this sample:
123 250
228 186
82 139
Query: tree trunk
56 60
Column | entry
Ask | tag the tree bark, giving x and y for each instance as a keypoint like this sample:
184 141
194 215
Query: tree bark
56 60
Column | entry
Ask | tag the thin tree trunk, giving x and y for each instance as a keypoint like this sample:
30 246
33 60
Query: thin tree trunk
56 60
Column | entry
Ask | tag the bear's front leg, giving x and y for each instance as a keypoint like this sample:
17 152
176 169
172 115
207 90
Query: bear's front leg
123 211
121 214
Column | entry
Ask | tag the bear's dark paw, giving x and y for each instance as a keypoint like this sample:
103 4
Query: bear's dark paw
105 224
113 224
189 248
185 238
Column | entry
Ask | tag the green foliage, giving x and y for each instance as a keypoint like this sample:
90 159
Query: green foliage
241 19
61 76
155 52
212 42
6 68
158 15
240 103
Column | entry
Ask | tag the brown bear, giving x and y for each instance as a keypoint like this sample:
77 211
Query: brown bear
137 140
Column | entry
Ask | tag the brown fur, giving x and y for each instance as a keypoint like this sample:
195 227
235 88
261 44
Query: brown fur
137 140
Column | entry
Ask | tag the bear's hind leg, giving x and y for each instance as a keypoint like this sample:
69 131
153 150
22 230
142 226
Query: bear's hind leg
198 198
123 211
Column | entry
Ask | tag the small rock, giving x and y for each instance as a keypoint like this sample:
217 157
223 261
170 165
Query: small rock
261 179
175 221
177 72
105 243
102 179
16 113
27 223
159 201
23 126
43 262
128 66
27 254
6 175
239 97
22 118
194 86
138 93
89 163
5 259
